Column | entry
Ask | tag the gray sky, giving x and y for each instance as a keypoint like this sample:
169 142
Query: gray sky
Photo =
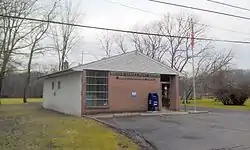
102 13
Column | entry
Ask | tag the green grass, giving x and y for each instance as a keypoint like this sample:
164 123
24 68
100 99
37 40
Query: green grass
215 104
19 100
31 127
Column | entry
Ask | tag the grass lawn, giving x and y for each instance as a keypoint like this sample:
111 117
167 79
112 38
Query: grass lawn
214 104
28 126
18 100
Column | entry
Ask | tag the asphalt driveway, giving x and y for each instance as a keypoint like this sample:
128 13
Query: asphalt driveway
220 130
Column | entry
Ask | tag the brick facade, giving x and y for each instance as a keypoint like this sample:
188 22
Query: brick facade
120 97
120 93
174 93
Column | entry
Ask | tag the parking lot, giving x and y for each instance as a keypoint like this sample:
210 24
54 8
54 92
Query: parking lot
220 130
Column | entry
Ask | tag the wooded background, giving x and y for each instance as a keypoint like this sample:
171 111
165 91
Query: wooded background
23 40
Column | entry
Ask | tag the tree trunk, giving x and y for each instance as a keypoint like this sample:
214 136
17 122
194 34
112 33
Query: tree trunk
27 81
1 85
2 74
25 92
62 61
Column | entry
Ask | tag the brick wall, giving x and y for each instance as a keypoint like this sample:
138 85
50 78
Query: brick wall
174 93
120 93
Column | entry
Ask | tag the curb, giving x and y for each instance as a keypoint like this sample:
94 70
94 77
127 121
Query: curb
198 112
142 142
136 114
106 116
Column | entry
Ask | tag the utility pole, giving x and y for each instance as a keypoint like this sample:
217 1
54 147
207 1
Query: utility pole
82 57
185 102
192 44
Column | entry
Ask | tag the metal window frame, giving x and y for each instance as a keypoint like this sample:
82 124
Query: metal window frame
105 92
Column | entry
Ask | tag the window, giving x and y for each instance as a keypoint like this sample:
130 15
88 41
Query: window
52 85
96 88
58 85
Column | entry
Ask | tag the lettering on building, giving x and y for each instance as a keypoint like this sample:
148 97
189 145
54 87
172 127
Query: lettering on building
135 76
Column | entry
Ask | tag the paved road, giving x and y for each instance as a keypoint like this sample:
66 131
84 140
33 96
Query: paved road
221 130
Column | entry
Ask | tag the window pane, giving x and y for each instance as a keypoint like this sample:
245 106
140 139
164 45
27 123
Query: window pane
101 81
90 80
100 74
90 73
96 103
102 88
89 103
91 88
101 103
97 88
91 96
96 96
97 73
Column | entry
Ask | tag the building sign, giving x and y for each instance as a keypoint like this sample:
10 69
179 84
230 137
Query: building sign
133 94
135 76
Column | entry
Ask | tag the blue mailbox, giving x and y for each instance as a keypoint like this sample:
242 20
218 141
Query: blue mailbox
153 101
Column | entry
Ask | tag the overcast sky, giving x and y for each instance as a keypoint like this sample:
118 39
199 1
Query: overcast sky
103 13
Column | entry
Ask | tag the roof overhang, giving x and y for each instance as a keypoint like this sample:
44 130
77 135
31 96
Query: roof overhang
56 74
129 62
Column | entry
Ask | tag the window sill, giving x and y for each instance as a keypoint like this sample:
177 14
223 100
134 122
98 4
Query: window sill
96 107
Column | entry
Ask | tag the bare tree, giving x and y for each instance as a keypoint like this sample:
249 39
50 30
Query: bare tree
180 48
113 43
216 63
153 46
175 48
120 42
172 49
13 31
36 36
107 41
65 36
207 66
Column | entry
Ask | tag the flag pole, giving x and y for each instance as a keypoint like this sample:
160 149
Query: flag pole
82 57
192 44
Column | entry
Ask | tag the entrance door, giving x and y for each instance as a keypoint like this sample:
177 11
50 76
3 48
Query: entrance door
165 95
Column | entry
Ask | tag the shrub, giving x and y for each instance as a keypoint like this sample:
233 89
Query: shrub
232 95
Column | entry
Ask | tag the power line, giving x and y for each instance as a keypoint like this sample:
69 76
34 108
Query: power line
131 7
201 9
123 31
146 11
229 5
